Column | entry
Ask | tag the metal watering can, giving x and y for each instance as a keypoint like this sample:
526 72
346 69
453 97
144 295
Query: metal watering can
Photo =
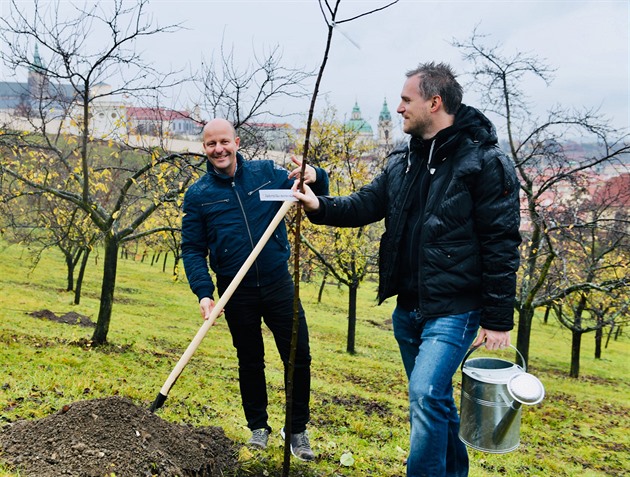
493 391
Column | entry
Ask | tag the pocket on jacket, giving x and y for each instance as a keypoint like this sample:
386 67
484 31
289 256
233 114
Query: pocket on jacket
457 257
216 210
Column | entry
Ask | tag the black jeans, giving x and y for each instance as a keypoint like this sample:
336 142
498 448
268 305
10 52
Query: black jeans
243 313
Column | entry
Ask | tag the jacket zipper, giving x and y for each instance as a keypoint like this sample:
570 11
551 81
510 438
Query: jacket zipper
215 202
258 188
430 198
398 224
249 233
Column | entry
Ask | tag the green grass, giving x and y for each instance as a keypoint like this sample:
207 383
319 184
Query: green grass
359 402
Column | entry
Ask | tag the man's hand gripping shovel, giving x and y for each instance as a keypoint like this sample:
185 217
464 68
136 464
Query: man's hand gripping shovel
218 307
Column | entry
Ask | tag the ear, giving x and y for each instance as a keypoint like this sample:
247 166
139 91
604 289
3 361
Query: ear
436 103
237 141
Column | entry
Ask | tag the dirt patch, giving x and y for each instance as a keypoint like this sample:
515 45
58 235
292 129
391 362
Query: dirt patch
383 325
112 436
70 318
356 403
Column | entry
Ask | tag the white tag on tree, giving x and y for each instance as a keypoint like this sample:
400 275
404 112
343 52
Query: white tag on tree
277 195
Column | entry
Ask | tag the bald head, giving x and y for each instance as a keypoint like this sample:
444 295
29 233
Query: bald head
219 124
220 144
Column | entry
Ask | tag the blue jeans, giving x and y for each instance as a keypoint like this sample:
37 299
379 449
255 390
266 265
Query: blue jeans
432 350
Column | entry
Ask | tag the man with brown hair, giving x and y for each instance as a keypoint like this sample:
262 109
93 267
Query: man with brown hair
450 202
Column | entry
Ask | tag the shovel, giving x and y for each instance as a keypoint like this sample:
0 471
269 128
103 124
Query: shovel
218 307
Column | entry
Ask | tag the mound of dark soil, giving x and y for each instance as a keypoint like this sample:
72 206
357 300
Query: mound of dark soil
112 436
70 318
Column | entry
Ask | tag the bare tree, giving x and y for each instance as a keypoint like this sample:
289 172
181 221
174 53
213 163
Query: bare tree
245 94
330 16
543 155
116 185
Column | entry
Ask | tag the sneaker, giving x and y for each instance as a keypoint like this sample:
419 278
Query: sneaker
259 438
300 445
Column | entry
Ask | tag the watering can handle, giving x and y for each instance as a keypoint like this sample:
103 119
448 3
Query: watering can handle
474 348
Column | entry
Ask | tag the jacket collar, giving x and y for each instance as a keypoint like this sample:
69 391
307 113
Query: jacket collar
219 175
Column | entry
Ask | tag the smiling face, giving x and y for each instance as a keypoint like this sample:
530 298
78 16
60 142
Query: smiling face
220 144
415 109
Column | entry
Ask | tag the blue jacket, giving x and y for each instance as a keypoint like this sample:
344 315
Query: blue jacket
225 218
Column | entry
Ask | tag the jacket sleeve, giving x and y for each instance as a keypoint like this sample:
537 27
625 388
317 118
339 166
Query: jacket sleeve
195 248
363 207
497 220
321 184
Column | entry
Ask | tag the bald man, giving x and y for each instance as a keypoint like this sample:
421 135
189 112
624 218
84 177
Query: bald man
225 219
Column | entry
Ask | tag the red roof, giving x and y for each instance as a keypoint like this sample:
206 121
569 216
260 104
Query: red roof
270 125
156 114
615 191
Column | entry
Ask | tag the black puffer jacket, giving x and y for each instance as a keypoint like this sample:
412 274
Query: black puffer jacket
468 245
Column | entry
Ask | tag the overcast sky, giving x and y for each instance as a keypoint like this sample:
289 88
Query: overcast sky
586 41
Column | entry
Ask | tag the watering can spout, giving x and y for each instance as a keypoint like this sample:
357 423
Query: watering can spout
523 388
505 424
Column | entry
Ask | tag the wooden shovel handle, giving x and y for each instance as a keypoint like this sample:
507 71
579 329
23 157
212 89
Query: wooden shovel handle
227 294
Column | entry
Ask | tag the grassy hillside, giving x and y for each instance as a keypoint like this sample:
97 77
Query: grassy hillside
359 402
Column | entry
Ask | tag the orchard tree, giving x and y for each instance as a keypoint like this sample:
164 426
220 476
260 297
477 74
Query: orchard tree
589 282
117 186
348 254
42 221
544 158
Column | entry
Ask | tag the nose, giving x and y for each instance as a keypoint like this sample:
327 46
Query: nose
400 108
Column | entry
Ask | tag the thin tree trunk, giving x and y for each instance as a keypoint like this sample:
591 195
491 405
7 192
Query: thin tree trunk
576 343
525 316
546 317
70 272
175 267
110 263
322 286
352 317
84 262
599 335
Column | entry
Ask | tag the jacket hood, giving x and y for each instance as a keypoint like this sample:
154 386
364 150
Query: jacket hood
469 122
475 123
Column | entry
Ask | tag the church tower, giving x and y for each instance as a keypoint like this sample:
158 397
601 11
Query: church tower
37 80
359 125
385 126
